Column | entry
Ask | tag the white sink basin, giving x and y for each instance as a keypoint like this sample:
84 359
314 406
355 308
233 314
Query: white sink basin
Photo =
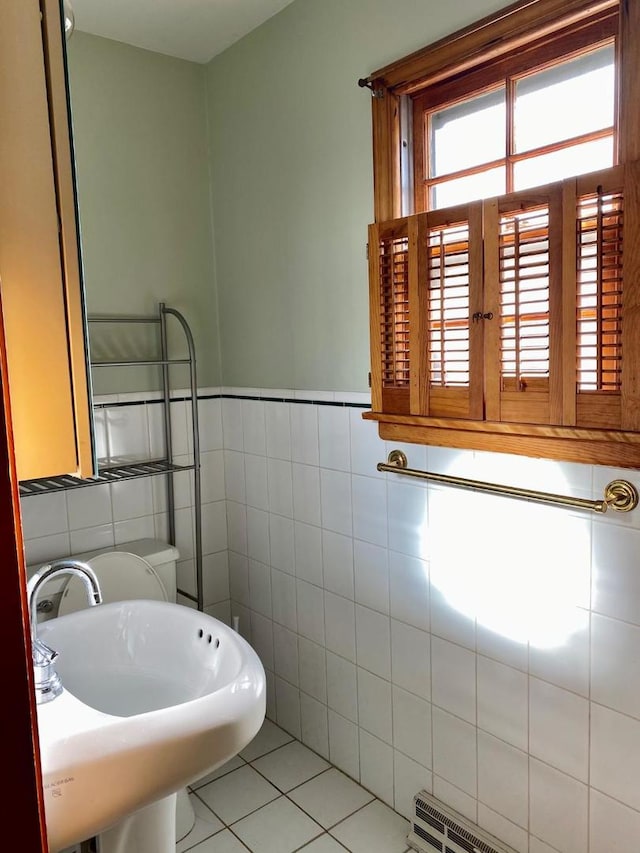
155 696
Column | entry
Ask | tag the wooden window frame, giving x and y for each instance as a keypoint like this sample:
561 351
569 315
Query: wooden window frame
600 30
487 41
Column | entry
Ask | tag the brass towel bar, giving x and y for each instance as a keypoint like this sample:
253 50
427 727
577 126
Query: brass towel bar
620 495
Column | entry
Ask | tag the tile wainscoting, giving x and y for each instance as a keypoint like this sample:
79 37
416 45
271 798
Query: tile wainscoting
415 636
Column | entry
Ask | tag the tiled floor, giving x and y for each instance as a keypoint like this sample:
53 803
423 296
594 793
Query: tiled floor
277 796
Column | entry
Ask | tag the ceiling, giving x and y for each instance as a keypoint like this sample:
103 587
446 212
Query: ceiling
196 30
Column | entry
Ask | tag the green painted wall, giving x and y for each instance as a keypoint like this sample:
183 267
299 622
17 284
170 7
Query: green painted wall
260 160
292 187
140 134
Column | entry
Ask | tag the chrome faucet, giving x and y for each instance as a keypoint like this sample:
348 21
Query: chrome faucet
47 681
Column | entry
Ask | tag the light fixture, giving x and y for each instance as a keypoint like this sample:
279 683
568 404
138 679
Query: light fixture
69 19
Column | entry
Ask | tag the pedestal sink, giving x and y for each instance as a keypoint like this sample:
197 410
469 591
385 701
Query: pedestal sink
156 695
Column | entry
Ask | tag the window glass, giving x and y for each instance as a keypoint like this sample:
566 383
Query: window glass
568 100
469 188
467 134
576 160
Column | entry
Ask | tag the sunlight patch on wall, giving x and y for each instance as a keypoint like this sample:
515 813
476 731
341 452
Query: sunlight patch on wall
519 568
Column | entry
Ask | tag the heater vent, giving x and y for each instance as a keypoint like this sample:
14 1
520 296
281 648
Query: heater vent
437 827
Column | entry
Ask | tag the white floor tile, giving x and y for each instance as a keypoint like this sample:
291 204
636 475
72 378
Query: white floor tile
237 794
290 766
270 823
330 797
324 844
223 842
280 827
269 737
206 824
374 829
233 764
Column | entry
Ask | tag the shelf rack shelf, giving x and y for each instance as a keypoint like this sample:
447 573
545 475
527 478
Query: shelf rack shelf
134 469
115 474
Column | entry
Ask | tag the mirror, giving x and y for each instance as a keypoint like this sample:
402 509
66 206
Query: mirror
139 128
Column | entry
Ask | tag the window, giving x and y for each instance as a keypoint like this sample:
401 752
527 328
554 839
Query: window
521 85
527 128
503 305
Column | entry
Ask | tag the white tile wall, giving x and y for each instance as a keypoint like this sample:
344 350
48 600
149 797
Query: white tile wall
455 750
503 783
306 493
280 487
559 728
494 685
409 590
314 724
286 654
340 621
558 808
374 705
505 681
371 565
376 766
283 591
337 563
604 813
373 641
502 701
308 552
342 688
281 542
411 659
344 746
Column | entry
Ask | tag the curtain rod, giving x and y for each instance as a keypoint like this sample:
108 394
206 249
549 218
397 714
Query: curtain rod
619 495
366 83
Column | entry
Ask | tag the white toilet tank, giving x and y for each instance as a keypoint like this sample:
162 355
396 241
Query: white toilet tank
158 554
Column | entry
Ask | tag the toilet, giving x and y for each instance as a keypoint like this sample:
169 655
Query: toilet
145 569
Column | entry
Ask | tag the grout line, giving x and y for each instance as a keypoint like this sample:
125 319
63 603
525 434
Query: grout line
269 751
238 837
226 773
215 814
285 795
253 811
215 832
310 841
342 819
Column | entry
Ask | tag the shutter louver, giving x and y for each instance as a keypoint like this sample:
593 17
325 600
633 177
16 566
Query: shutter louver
449 315
524 289
394 311
599 237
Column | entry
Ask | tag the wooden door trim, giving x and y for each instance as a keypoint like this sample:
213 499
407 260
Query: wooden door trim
23 796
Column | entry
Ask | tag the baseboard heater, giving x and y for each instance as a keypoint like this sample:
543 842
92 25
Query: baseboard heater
436 827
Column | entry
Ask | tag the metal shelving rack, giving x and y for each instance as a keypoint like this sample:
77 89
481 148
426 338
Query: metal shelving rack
153 467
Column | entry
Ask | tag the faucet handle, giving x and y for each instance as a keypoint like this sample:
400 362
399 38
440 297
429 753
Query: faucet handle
46 680
43 655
